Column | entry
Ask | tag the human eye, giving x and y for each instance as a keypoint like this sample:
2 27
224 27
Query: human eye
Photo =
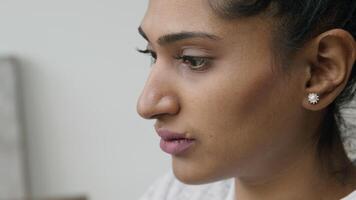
149 52
195 63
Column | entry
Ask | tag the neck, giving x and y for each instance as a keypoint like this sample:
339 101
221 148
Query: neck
303 177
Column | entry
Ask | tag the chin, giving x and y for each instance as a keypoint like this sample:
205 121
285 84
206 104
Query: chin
193 175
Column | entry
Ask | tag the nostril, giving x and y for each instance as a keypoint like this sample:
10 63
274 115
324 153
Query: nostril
155 116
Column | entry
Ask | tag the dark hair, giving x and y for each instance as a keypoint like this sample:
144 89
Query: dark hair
298 22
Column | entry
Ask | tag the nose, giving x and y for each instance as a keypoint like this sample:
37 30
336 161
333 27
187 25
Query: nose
158 97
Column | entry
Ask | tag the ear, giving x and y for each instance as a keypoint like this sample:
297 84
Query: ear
331 58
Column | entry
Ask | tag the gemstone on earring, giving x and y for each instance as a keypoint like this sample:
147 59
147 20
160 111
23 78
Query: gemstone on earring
313 98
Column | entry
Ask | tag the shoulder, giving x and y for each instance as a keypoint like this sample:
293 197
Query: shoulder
351 196
168 187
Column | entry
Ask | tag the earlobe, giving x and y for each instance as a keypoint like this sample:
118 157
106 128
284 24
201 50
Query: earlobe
329 71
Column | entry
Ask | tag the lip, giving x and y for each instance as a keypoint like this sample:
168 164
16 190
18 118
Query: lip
176 147
169 135
174 143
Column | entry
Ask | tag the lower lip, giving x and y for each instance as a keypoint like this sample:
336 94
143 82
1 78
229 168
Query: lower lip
175 147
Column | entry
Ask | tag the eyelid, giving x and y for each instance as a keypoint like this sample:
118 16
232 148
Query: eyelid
191 56
195 51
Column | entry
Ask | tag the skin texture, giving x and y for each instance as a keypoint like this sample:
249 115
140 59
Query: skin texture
250 119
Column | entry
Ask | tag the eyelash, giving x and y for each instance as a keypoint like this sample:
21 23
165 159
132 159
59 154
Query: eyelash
187 60
150 52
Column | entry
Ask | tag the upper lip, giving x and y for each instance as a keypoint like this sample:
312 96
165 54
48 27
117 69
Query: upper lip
169 135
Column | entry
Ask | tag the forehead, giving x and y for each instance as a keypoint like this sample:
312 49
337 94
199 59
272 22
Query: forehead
174 16
180 15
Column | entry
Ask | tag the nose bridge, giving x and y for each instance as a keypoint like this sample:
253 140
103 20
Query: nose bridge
158 96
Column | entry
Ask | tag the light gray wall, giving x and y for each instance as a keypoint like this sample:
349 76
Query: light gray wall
80 79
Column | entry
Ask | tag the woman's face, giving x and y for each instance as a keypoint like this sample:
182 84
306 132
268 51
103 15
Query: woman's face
227 92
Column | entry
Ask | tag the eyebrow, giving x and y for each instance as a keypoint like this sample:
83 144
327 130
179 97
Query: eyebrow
175 37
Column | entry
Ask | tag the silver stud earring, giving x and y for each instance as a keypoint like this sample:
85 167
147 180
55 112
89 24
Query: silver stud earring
313 98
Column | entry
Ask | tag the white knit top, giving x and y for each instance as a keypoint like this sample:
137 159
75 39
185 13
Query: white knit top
168 187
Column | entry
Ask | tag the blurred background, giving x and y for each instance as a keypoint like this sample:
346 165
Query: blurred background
70 79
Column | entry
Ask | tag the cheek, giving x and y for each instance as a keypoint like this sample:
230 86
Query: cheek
227 112
230 101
